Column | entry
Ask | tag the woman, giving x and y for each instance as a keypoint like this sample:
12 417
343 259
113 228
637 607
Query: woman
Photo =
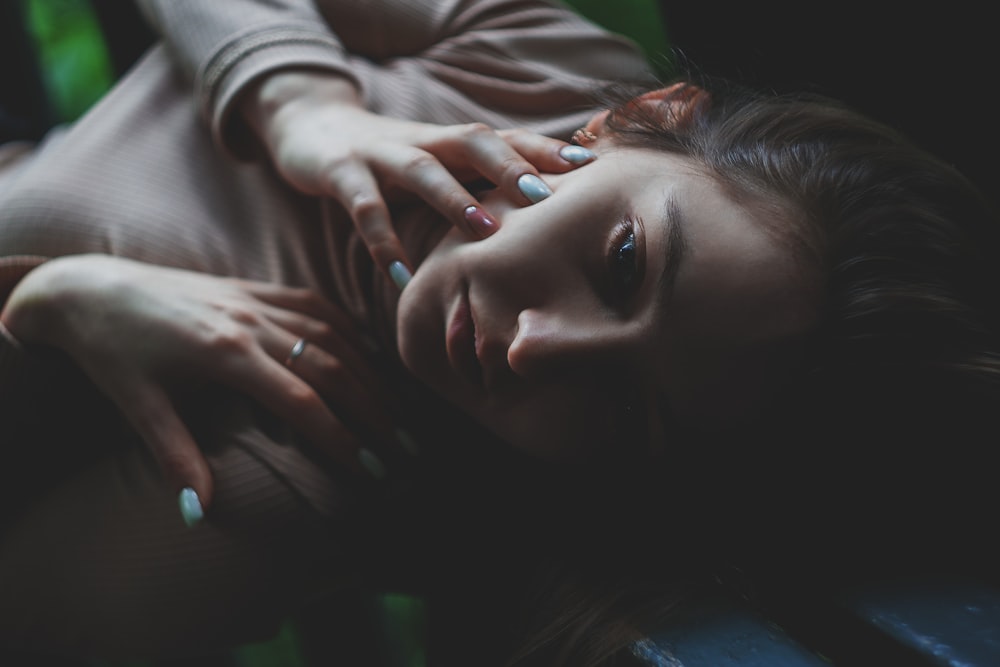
622 297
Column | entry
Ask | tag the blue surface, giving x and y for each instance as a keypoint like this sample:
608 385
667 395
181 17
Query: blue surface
953 623
725 636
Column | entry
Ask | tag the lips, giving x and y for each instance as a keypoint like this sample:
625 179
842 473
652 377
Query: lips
460 343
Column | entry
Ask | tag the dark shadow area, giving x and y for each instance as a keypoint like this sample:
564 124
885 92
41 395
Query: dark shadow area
924 69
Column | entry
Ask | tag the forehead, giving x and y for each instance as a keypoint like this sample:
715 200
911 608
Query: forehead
739 298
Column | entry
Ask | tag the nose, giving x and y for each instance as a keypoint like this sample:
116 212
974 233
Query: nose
547 343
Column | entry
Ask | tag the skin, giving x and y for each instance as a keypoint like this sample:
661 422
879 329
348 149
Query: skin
565 366
552 358
238 333
323 142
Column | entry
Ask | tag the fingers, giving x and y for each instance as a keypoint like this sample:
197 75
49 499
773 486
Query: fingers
353 184
420 172
185 469
324 321
328 328
513 160
308 371
360 406
296 402
545 153
433 168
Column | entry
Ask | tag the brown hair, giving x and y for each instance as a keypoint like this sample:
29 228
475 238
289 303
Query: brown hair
908 255
908 249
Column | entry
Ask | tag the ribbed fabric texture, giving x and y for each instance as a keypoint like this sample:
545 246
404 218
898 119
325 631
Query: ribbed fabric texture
98 561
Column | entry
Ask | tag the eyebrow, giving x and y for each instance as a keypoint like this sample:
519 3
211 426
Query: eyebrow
660 417
676 246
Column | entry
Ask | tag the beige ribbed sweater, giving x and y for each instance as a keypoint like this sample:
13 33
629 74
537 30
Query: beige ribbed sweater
97 561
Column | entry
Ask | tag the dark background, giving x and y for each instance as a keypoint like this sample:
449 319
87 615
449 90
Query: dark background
927 69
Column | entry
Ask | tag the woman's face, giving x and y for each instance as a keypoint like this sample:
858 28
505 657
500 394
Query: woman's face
636 295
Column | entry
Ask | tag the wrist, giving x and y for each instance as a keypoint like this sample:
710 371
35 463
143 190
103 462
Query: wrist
275 98
43 301
29 309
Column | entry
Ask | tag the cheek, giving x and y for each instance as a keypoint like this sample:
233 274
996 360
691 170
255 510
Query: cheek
415 331
561 423
422 311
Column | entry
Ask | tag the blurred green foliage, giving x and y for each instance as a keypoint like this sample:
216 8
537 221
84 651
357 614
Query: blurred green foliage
74 61
640 20
401 626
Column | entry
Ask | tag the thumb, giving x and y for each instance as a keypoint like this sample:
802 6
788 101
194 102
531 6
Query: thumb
180 459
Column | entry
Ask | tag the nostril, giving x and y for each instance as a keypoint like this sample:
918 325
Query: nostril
492 355
490 351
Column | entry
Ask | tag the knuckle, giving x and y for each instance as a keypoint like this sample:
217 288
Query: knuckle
383 246
243 315
514 134
364 207
302 398
337 163
229 340
420 161
513 166
476 130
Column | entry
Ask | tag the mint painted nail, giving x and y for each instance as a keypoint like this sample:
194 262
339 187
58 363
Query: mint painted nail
399 274
576 154
533 188
371 463
191 510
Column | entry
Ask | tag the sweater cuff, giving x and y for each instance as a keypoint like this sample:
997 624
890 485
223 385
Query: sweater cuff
249 56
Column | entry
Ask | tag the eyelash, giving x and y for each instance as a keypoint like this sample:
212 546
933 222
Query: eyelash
623 237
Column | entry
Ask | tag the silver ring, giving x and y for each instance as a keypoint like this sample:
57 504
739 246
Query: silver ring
296 352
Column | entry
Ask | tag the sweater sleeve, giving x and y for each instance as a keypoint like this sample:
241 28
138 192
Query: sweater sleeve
528 63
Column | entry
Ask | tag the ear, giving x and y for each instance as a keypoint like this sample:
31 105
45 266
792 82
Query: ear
673 104
596 123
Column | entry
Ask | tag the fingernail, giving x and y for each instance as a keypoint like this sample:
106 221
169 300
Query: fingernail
480 221
371 463
533 188
407 442
191 510
399 274
576 154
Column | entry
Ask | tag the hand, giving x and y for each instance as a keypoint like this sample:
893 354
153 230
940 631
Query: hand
323 142
141 331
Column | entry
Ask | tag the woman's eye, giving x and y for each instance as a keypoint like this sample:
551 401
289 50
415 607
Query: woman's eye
624 261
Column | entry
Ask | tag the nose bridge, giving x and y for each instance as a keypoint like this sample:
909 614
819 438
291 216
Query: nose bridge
550 339
528 261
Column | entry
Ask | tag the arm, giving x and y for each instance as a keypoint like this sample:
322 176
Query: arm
507 63
141 333
405 102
